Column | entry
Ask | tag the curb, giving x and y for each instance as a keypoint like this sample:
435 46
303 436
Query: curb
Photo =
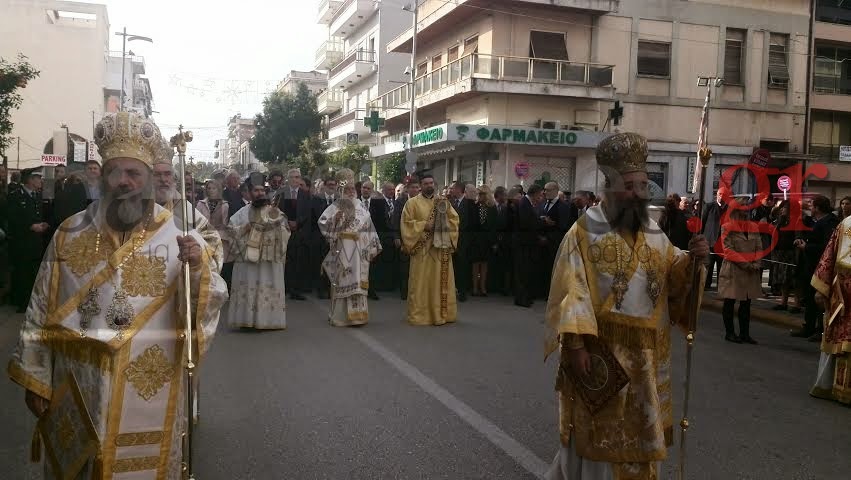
779 320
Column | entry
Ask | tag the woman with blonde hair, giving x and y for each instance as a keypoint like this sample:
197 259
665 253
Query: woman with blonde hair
483 238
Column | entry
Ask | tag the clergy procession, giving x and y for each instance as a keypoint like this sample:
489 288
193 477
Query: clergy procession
125 304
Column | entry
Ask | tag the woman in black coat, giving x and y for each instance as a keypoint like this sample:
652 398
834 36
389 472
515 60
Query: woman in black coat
675 223
483 238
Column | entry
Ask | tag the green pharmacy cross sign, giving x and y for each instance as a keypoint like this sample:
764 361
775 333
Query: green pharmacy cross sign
373 121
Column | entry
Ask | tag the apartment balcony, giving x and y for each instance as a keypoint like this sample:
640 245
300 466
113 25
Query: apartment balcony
439 17
329 101
352 68
326 11
329 54
482 73
350 16
349 122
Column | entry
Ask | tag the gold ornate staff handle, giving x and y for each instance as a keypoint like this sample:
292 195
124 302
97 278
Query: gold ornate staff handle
179 142
694 295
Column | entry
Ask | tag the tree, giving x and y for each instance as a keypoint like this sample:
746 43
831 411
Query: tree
351 156
392 169
285 122
312 159
13 76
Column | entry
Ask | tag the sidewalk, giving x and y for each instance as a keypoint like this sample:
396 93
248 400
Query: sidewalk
761 310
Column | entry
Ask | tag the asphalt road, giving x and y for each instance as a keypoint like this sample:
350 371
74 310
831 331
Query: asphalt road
473 400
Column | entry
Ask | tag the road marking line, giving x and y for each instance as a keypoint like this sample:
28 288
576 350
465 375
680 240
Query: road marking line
522 455
488 429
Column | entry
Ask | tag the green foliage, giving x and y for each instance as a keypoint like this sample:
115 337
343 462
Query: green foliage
13 77
392 169
352 156
312 159
284 124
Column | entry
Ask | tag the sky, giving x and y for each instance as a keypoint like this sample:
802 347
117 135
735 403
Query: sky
212 59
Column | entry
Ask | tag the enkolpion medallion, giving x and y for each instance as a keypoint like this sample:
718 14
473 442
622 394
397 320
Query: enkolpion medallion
119 315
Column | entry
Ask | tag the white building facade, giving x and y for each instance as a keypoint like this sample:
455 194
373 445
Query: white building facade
359 69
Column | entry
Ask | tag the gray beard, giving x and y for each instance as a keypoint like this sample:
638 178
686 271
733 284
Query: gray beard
124 214
628 215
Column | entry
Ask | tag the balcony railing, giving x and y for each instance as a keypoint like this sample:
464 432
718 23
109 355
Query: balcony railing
366 56
345 118
346 4
499 67
828 153
332 45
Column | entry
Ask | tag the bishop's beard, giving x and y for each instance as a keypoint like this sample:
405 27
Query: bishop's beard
629 215
125 210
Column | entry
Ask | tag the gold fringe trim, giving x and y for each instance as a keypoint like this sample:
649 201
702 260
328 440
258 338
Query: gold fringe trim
97 468
81 349
35 447
629 336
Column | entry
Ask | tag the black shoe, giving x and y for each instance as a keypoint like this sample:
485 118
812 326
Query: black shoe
21 310
404 297
749 340
372 296
732 337
801 333
780 308
462 297
523 304
815 338
297 296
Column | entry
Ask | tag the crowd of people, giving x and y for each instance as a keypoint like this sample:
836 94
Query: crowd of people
94 268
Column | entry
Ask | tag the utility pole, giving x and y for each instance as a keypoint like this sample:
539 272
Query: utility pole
807 106
410 155
126 38
19 154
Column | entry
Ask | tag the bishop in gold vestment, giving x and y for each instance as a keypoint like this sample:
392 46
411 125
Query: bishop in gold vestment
429 231
105 315
618 281
832 281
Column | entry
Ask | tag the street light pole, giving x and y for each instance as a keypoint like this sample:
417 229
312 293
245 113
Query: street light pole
411 156
124 41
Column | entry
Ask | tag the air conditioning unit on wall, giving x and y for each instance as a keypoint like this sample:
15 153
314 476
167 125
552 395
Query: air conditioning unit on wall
549 124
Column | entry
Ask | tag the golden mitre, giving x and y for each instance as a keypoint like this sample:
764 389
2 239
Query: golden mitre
622 153
345 177
128 135
165 154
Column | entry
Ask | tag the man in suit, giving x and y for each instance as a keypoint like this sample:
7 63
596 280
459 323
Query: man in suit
500 263
412 189
321 201
557 220
377 209
296 203
460 259
527 243
387 263
232 194
28 236
812 245
713 215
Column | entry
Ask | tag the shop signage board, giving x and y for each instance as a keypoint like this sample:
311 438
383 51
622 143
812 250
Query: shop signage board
504 134
845 153
53 160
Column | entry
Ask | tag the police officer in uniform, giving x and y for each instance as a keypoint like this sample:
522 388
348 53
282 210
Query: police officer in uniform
28 235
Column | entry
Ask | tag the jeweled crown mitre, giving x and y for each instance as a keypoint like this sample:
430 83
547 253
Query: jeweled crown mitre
128 135
622 153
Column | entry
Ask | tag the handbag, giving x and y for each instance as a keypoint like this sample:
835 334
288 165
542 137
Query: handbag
606 380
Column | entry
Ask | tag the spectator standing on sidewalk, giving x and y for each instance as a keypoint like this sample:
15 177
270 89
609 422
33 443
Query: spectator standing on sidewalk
713 214
783 270
740 276
674 222
844 210
812 247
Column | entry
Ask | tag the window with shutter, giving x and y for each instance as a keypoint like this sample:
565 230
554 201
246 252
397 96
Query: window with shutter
471 45
422 69
654 58
778 66
453 54
547 45
436 62
734 53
